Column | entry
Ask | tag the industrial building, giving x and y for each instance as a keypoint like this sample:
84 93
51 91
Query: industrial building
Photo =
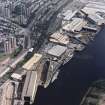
93 7
68 15
97 19
57 50
96 10
75 25
82 38
18 74
30 87
59 38
33 62
89 28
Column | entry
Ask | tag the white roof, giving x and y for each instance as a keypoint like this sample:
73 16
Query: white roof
96 5
16 76
57 50
75 25
93 7
97 18
78 36
96 2
31 49
88 10
90 27
30 85
69 15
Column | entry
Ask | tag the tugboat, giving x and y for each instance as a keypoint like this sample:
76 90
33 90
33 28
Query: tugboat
95 94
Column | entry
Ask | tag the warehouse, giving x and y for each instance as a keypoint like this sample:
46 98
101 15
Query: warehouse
89 28
30 87
59 38
18 74
97 19
32 62
68 15
93 7
57 50
75 26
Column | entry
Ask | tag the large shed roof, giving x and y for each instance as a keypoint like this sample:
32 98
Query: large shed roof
28 65
57 50
57 37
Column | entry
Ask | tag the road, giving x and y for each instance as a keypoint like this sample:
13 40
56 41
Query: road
13 63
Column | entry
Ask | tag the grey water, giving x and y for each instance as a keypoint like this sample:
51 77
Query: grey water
76 76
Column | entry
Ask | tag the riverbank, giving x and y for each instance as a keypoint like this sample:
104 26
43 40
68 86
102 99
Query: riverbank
76 76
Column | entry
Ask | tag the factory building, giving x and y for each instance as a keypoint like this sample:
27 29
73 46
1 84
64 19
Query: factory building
18 74
67 15
75 25
97 19
93 7
59 38
33 62
89 28
30 87
57 51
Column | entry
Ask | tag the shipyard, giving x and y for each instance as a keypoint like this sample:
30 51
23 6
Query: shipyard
40 38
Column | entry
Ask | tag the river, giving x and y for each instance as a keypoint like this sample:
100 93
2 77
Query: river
76 76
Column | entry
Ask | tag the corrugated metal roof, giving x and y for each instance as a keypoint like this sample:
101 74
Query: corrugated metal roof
28 65
94 7
69 15
57 37
96 18
30 85
26 84
57 50
78 35
16 76
75 25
